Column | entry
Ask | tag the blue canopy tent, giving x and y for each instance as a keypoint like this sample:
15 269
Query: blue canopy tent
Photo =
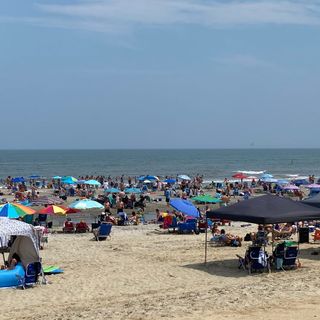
18 179
185 206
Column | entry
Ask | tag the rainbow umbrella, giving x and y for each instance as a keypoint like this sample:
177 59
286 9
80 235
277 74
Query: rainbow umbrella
15 210
52 209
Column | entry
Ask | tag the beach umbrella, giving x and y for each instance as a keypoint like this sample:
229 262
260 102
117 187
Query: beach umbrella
270 180
86 204
15 210
18 179
69 180
184 177
266 175
34 176
52 209
206 199
148 177
290 187
240 176
112 190
282 181
171 181
57 178
313 186
132 190
185 207
147 181
93 183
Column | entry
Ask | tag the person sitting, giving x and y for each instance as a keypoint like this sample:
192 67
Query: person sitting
284 232
122 218
11 264
260 237
134 218
230 239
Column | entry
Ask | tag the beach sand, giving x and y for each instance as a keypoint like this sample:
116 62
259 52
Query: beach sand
143 273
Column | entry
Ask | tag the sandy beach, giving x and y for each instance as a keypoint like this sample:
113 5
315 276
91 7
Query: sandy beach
143 273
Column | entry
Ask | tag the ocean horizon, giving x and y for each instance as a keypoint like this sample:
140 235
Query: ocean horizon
211 163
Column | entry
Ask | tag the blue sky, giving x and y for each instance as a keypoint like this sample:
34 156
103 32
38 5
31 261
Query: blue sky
159 73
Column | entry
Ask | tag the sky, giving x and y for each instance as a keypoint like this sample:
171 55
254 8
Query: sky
159 74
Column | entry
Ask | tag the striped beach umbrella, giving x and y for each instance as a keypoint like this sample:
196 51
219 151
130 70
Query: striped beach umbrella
15 210
52 209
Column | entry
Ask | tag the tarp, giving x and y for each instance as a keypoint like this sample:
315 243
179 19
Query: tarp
266 209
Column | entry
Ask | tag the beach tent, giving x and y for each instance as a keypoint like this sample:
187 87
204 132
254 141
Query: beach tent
268 209
171 181
265 210
26 245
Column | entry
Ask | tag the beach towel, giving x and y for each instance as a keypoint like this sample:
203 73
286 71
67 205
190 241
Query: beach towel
52 270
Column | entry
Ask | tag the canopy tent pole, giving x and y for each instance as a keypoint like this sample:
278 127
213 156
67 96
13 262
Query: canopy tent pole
206 242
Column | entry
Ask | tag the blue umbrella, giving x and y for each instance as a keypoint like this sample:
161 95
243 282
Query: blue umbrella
270 180
69 180
171 181
282 181
18 179
93 182
34 176
132 190
57 178
142 178
266 176
184 177
112 190
185 207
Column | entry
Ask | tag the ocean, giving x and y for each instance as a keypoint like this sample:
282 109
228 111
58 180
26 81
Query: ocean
212 164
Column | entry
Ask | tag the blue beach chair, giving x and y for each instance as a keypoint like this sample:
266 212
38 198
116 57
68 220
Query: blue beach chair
103 232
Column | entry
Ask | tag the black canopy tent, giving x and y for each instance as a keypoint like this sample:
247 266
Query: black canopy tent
268 209
313 201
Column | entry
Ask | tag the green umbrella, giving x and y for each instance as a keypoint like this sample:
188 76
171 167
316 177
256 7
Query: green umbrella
206 199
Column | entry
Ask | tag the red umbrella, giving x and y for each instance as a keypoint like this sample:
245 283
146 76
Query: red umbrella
239 175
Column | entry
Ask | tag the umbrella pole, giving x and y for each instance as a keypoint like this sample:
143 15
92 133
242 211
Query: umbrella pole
206 242
4 258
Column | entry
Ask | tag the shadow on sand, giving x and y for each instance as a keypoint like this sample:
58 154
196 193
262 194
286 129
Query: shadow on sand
223 268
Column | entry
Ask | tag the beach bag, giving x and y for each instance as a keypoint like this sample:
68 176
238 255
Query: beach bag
247 237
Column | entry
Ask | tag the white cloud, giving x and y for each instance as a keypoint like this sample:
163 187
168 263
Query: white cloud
125 15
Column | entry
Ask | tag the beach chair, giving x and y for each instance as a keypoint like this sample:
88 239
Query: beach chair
103 232
33 270
188 227
173 225
316 236
290 257
68 227
256 259
82 227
